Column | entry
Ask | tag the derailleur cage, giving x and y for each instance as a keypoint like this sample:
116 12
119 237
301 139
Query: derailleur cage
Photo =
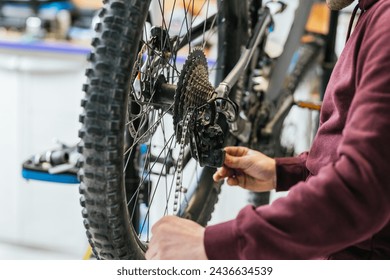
207 137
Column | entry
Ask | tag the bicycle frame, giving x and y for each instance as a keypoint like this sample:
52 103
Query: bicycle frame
280 68
293 40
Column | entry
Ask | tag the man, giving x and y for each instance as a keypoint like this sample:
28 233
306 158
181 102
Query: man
338 206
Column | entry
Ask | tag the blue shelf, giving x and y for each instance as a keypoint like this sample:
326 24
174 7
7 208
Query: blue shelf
43 176
38 46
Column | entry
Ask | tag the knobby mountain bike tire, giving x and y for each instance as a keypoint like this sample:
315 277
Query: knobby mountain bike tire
130 152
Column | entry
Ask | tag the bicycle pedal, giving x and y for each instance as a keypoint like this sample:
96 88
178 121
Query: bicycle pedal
56 165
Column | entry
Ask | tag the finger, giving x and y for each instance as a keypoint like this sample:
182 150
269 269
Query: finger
158 225
149 254
236 151
217 177
242 181
154 228
232 181
152 251
234 162
222 173
238 180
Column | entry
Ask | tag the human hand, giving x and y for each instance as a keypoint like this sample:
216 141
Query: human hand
175 238
248 169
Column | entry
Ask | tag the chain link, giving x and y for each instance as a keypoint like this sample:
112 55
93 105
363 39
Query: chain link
179 172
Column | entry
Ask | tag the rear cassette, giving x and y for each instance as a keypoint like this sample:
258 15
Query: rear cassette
193 88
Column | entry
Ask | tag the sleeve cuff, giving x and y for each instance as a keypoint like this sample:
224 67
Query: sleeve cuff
221 241
290 171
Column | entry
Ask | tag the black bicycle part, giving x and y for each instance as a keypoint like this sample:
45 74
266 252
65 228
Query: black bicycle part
207 139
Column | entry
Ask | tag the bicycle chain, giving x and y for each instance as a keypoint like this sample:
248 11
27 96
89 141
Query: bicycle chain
179 171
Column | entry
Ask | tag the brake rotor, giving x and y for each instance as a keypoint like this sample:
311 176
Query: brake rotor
193 89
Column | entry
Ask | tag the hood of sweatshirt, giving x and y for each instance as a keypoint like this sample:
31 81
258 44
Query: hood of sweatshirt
363 5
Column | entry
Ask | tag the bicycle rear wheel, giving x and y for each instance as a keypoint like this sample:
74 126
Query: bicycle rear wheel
131 112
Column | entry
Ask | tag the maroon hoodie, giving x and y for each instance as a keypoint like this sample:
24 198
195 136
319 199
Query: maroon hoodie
338 206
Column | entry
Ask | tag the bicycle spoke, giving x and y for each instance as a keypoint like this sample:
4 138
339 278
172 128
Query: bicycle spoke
186 23
150 169
204 27
149 129
154 193
151 49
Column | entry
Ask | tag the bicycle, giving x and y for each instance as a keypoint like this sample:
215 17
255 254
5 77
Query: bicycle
158 109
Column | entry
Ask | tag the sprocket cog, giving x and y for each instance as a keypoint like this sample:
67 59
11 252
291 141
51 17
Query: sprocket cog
193 88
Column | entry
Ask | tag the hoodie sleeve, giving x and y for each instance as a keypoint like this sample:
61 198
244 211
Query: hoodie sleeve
290 171
348 200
